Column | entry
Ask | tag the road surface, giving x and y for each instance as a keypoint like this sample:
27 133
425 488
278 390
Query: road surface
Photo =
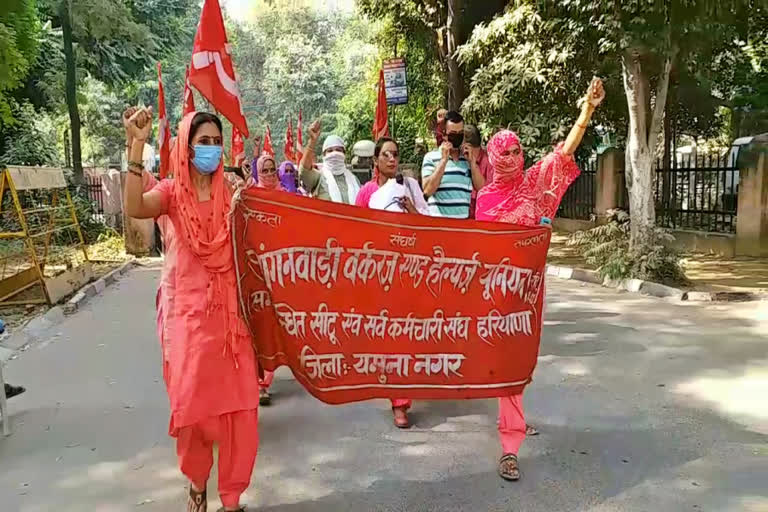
642 405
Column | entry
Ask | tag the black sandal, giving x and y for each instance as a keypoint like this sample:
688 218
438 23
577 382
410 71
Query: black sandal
197 501
508 468
12 391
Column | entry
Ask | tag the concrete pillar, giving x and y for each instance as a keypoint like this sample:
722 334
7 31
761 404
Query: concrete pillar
752 212
610 181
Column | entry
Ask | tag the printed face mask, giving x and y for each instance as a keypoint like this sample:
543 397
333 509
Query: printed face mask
506 164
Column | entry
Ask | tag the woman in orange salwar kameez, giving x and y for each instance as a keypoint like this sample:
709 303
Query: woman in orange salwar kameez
211 368
525 197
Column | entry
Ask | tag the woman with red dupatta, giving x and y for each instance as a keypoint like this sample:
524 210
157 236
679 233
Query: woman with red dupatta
211 373
525 198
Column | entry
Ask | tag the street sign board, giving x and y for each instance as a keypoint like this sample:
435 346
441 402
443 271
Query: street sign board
395 81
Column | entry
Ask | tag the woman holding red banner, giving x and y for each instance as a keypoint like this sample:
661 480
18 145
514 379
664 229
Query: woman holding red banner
264 175
386 163
211 367
526 198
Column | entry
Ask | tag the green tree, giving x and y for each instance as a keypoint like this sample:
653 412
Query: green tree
113 41
441 26
552 47
19 28
292 58
528 68
31 139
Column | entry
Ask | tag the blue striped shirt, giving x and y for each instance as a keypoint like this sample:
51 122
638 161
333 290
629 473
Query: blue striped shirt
454 194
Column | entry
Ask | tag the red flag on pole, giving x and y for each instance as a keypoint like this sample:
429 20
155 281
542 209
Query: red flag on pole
212 72
299 141
268 149
381 120
238 148
164 131
189 98
290 149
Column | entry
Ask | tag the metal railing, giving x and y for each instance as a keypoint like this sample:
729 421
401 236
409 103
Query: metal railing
579 200
701 195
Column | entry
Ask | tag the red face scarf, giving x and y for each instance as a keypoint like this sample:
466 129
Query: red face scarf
209 239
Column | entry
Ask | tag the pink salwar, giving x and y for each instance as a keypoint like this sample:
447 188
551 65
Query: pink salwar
521 197
237 437
267 380
511 423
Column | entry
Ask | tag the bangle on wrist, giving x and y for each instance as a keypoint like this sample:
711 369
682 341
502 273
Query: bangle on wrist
138 165
135 172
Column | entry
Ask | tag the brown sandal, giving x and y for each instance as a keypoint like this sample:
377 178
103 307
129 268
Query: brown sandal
509 468
197 501
530 430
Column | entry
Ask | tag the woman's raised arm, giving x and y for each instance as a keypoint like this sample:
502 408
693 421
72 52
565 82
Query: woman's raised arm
595 96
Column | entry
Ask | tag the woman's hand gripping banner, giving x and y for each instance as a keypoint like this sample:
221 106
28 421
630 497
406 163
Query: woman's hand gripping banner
365 304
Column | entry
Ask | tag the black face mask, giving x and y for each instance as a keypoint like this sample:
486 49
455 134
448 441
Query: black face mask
456 139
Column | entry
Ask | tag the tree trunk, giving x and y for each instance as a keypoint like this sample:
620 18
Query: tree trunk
71 91
456 92
641 143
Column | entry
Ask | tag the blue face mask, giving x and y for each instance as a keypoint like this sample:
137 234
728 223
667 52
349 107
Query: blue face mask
207 158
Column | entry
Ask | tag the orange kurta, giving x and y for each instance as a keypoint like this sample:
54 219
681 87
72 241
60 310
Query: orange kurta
205 376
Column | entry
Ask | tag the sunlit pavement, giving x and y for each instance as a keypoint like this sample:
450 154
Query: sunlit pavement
642 405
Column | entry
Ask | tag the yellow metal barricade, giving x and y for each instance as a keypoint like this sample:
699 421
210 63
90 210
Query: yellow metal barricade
43 256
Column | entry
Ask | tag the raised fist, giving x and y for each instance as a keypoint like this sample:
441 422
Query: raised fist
596 92
314 131
139 124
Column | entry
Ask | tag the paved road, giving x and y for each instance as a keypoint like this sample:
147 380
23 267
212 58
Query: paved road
642 404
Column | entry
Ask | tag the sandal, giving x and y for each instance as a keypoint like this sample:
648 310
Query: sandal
12 391
197 501
530 430
402 421
241 509
509 468
264 397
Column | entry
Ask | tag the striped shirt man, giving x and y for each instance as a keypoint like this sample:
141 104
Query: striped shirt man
454 194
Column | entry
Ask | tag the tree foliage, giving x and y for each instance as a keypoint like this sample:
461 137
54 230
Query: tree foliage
31 139
19 27
529 68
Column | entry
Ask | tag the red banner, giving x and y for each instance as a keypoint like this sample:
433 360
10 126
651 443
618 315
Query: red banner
365 304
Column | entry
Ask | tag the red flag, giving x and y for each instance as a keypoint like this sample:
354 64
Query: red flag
164 131
238 148
212 72
381 121
189 98
268 143
299 141
290 150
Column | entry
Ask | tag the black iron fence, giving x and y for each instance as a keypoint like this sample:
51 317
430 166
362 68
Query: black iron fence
579 200
698 194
